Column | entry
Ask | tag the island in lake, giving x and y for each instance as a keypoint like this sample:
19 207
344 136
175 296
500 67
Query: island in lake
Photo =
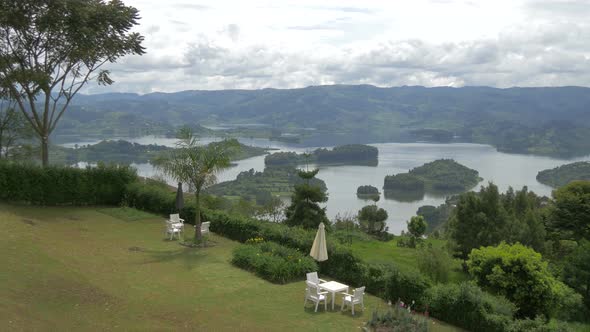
260 186
120 151
440 176
562 175
367 192
350 154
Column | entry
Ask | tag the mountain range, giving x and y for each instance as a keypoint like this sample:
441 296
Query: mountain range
547 121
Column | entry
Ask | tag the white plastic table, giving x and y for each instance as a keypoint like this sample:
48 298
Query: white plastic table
333 287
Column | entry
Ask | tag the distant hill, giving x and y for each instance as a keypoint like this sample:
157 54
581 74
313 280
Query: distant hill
545 121
562 175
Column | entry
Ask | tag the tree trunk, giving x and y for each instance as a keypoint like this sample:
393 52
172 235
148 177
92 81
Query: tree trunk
45 150
198 235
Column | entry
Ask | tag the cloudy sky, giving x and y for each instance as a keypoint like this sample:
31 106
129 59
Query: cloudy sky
255 44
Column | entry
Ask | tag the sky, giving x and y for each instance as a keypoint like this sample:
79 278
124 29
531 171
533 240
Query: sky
256 44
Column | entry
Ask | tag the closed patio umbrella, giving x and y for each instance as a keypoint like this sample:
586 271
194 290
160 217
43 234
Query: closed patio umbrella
179 198
319 251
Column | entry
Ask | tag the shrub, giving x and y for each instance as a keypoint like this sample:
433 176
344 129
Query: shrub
342 264
376 278
156 197
396 319
273 262
469 307
569 305
435 263
518 273
536 325
406 286
64 185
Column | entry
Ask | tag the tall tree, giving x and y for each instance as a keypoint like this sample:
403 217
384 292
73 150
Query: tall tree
479 220
13 127
372 219
576 271
50 49
417 226
197 165
305 209
569 216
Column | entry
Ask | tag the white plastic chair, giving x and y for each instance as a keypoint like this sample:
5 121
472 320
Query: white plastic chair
176 220
205 227
173 229
313 277
355 298
312 293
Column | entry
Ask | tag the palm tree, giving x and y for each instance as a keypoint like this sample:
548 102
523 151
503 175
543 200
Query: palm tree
197 165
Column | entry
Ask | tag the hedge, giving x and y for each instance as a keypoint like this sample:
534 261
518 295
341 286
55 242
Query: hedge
342 264
273 262
406 287
468 306
54 185
156 197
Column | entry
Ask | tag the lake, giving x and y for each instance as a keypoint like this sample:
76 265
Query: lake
503 169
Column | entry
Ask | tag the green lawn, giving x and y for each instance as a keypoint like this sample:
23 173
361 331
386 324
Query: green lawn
403 258
111 269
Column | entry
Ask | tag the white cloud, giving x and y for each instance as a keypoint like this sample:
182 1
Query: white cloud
257 44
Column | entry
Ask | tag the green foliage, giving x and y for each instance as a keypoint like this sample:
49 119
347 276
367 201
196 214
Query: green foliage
64 185
435 263
283 159
272 209
488 217
372 220
406 286
355 154
14 128
273 262
444 175
519 274
536 325
367 191
570 214
469 307
272 181
197 165
351 153
158 198
56 48
341 264
304 209
576 271
564 174
117 151
404 182
436 217
396 319
152 196
417 226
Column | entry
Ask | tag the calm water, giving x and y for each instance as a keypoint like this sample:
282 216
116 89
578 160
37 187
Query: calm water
342 181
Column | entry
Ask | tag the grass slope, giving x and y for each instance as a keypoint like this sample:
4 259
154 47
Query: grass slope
402 258
111 269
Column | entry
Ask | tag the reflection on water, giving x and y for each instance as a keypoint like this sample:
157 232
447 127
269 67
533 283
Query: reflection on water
342 181
404 196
